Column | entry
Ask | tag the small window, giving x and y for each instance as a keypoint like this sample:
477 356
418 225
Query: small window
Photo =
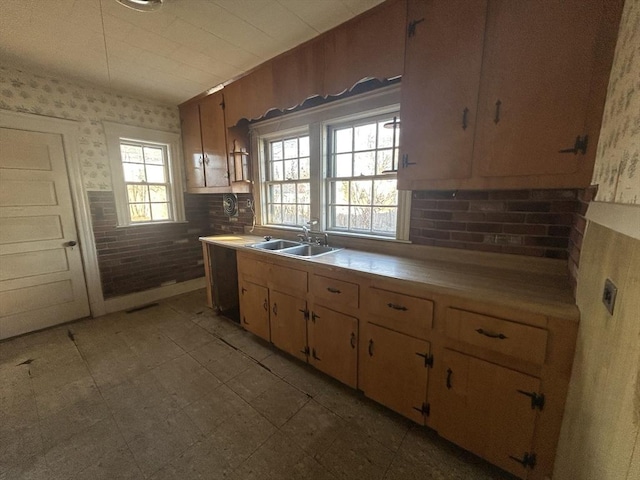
146 177
361 179
288 185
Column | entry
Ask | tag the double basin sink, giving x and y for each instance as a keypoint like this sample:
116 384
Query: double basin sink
294 248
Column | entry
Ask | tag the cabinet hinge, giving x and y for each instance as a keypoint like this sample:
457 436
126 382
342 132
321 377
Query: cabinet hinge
411 28
425 409
306 351
537 399
405 161
579 147
528 460
305 312
428 359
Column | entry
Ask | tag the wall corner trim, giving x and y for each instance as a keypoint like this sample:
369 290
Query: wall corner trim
619 217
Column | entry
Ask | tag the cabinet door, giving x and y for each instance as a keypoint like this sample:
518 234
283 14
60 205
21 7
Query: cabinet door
485 408
333 341
254 309
289 324
192 145
214 143
535 86
440 88
393 370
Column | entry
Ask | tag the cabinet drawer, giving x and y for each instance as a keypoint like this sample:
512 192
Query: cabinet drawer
289 279
335 293
403 313
503 336
253 270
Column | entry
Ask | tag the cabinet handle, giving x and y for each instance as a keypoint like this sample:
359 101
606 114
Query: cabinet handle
353 340
333 290
206 159
244 320
315 355
579 146
275 308
499 336
265 305
449 373
395 306
243 290
411 29
314 316
497 118
371 348
465 112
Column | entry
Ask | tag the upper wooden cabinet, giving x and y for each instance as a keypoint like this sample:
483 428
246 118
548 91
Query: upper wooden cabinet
494 92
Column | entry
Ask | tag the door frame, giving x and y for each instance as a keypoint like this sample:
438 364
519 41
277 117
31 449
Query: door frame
69 131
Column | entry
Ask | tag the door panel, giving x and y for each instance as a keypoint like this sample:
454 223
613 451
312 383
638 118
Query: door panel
41 277
254 309
192 145
333 341
288 323
214 141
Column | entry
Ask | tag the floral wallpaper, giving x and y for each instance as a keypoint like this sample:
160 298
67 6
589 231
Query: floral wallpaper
617 168
26 92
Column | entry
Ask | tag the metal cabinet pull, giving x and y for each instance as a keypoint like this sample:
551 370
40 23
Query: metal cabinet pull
497 118
275 308
353 340
333 290
499 336
265 305
371 348
395 306
243 290
465 112
244 320
449 373
314 316
315 355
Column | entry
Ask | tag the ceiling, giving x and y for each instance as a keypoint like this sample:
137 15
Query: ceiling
169 55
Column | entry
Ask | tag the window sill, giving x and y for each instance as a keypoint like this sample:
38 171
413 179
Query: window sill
172 222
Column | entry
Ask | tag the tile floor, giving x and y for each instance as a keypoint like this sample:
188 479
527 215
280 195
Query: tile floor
175 392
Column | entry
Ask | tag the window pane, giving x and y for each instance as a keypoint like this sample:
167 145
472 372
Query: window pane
304 214
133 172
275 214
304 146
153 155
305 170
291 148
138 193
344 140
385 135
158 193
343 165
140 212
277 171
131 153
289 214
365 137
288 193
304 194
276 151
385 192
384 162
384 219
360 218
275 193
340 193
160 211
361 192
155 174
291 169
341 217
364 164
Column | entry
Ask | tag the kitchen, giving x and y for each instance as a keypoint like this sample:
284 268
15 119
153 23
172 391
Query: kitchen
128 267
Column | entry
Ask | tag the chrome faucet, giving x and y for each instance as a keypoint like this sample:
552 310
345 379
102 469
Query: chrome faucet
306 236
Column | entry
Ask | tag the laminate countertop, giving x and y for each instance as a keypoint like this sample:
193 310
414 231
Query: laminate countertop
539 292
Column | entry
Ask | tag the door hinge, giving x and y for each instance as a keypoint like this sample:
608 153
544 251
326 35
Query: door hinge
411 28
579 147
537 399
528 460
428 359
425 409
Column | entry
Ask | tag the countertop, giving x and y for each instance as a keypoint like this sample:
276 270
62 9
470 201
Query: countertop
543 293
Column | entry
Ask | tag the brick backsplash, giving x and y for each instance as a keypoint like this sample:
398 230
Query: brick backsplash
220 223
577 232
141 257
521 222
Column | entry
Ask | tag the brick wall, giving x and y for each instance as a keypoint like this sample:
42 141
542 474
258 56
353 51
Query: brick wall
577 232
133 259
220 224
522 222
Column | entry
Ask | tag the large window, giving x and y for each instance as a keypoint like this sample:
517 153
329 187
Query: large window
333 165
147 181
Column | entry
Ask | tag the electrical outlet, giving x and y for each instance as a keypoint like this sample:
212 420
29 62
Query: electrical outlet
249 203
609 295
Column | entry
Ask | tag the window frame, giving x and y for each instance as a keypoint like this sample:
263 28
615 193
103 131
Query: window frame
316 122
117 134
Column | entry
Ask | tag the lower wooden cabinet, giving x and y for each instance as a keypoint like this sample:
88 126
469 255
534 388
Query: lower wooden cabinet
489 409
333 344
254 309
289 323
394 370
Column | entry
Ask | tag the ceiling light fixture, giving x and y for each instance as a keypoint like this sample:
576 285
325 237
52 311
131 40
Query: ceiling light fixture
141 5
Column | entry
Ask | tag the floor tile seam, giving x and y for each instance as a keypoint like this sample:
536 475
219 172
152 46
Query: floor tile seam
395 453
277 430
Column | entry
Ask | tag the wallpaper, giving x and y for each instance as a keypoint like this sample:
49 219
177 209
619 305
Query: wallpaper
26 92
617 168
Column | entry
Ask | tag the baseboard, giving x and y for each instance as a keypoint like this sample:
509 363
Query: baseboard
125 302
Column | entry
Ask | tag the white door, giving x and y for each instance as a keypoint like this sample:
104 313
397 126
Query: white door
41 275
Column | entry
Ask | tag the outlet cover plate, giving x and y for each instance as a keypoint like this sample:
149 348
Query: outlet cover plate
609 295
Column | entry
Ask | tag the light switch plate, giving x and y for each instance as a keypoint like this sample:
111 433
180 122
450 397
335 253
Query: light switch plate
609 295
